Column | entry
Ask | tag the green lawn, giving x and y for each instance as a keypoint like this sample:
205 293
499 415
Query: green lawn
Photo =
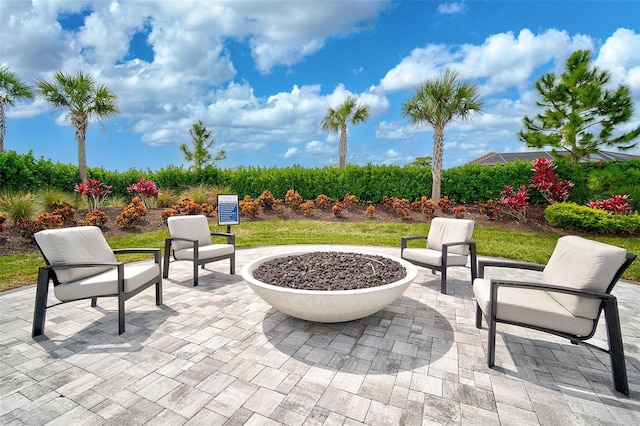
21 269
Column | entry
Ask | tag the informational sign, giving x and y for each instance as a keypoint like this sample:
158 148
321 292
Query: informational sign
228 212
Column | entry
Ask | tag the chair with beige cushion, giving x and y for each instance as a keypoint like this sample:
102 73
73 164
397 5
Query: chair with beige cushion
448 243
575 287
190 239
83 266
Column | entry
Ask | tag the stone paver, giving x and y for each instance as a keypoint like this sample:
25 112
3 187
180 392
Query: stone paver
218 354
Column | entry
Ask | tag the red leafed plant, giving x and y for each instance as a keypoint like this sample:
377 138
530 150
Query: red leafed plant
95 191
615 204
459 212
515 203
145 189
546 181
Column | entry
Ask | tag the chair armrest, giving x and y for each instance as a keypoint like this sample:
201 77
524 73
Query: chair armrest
55 266
180 239
482 263
231 238
405 240
461 243
551 288
155 251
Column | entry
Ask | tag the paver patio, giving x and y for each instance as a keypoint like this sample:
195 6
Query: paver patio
218 354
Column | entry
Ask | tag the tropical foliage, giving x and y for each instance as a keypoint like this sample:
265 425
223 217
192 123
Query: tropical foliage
84 100
351 111
438 102
12 91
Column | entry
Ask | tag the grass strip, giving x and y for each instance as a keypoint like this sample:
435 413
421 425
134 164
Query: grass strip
22 269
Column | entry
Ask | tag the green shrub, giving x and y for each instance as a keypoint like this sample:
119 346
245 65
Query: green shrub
573 216
18 206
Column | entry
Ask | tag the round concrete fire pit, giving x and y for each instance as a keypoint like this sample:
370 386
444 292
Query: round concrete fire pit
328 306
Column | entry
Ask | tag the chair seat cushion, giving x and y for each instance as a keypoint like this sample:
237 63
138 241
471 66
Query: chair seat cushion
106 283
432 257
534 307
205 252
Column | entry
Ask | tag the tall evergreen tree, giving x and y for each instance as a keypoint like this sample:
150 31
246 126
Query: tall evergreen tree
12 90
202 141
438 102
337 119
581 113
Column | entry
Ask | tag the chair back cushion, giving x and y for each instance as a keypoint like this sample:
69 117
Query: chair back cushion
193 227
81 244
582 264
445 230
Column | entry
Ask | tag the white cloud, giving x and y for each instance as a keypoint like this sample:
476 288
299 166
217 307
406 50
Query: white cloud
291 152
451 8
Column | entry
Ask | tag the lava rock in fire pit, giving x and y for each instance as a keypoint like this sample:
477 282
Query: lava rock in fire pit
330 271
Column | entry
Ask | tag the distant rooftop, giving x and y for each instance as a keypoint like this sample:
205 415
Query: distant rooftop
507 157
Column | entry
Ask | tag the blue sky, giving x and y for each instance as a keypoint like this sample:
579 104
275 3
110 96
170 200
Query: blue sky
261 74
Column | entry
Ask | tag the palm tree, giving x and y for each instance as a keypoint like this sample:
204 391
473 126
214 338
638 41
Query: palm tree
350 112
439 102
12 90
84 99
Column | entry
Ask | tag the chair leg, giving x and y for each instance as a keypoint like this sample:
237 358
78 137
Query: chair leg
94 302
159 292
478 316
491 344
232 264
616 350
120 314
443 281
167 252
195 273
40 309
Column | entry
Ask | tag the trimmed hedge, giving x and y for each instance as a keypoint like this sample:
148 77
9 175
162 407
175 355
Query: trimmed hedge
465 184
573 216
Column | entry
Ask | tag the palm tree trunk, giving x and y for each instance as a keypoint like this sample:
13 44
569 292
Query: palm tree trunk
81 124
436 170
3 128
343 147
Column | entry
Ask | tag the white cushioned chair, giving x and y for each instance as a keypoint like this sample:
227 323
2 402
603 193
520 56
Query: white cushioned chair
191 240
83 266
574 288
447 244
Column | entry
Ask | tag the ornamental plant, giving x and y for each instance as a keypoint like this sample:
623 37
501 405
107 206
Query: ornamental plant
618 204
459 212
370 211
307 208
349 201
428 207
490 208
94 191
444 203
337 209
249 207
547 182
145 190
63 209
131 214
3 219
293 199
400 206
266 200
322 201
515 203
29 226
95 218
50 220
